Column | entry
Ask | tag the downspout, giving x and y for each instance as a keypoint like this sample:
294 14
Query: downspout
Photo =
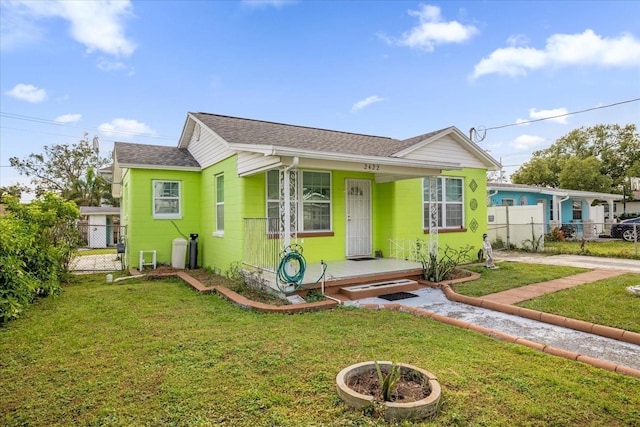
287 203
564 199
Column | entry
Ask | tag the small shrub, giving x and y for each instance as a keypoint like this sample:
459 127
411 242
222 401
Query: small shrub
556 235
37 241
437 270
388 382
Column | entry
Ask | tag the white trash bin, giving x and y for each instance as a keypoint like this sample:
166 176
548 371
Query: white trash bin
179 253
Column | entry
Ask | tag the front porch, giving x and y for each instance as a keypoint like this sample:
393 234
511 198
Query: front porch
346 279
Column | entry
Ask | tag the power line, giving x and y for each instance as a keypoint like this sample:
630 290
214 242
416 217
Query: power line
53 122
565 114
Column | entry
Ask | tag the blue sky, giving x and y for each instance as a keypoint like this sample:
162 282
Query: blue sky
130 71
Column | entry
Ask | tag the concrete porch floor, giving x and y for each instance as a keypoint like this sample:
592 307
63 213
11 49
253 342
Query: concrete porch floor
348 272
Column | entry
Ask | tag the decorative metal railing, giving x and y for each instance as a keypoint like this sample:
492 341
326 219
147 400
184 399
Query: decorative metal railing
409 250
262 246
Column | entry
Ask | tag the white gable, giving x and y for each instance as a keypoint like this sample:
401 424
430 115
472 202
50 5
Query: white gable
207 147
445 149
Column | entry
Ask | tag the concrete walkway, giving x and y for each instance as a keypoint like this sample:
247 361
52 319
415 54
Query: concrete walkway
523 293
591 262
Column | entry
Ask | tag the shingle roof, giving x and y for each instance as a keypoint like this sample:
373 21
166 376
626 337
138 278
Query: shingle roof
153 155
237 130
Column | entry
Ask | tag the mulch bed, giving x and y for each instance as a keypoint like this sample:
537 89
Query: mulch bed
408 389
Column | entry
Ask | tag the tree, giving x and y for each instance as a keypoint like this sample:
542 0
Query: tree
91 190
15 190
615 147
59 168
538 171
584 174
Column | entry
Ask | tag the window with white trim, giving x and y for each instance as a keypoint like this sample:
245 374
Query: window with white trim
219 203
166 199
314 201
577 210
450 202
273 200
508 202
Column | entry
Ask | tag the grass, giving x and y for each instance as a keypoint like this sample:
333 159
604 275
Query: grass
96 251
607 248
511 275
605 302
157 353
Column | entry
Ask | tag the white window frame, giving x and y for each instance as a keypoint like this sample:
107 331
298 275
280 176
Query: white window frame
171 215
577 210
219 204
508 202
442 203
272 222
301 201
304 203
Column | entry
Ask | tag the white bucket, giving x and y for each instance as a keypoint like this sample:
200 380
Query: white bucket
109 278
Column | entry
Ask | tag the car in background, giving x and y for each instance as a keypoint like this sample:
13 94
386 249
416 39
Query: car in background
625 229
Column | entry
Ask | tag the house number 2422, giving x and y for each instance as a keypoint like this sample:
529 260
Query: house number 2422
371 167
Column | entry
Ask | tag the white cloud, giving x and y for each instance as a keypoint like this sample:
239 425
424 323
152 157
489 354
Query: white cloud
365 102
107 65
526 142
557 115
15 29
587 48
125 127
518 40
432 30
551 115
98 25
69 118
29 93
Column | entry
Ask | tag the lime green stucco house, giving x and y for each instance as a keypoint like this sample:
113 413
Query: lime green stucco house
240 183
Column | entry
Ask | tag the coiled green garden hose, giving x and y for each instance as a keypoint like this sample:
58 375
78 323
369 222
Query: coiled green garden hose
287 275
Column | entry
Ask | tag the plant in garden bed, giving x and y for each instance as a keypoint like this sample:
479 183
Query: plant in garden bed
437 270
388 382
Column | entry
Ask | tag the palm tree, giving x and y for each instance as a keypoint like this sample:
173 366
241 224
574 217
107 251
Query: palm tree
93 190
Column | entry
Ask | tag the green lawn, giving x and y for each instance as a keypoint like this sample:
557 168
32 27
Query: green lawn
96 251
604 248
511 275
605 302
156 353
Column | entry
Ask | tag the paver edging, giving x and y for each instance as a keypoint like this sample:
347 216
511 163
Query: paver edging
598 363
554 351
241 300
552 319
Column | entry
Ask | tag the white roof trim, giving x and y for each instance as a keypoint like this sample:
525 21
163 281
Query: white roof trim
162 167
462 139
341 157
552 191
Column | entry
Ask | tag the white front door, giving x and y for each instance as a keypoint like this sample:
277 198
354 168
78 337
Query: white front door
358 206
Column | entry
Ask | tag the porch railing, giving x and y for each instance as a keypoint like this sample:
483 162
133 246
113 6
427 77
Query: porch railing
409 250
262 243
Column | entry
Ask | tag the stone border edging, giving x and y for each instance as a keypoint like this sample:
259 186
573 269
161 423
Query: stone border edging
602 364
242 301
553 319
